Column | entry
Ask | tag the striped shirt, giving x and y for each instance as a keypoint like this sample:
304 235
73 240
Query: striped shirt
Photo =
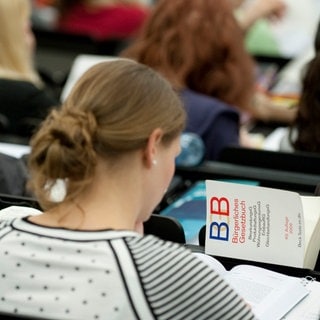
107 274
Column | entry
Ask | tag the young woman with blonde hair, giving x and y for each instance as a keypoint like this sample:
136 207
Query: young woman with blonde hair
23 99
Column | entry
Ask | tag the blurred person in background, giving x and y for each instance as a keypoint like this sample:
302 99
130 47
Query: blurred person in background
304 133
199 47
102 19
24 100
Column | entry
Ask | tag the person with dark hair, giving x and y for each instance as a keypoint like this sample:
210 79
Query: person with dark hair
304 133
316 42
99 165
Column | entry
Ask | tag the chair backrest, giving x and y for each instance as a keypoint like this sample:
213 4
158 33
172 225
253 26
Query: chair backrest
166 228
202 236
7 200
78 43
56 51
302 162
13 175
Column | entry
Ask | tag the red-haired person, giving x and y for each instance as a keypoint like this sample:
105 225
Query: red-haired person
199 47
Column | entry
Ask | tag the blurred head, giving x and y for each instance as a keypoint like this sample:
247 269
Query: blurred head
308 117
110 113
197 44
16 41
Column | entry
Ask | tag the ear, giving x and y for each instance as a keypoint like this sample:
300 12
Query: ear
151 150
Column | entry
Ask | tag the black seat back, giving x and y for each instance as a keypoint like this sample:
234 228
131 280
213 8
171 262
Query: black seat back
166 228
302 162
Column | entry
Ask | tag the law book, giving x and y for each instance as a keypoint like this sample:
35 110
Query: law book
271 295
262 224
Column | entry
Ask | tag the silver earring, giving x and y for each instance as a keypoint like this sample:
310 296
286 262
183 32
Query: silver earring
154 162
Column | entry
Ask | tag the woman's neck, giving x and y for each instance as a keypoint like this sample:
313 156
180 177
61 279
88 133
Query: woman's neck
112 200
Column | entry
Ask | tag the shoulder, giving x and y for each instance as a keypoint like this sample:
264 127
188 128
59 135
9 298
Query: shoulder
168 270
153 248
13 212
6 221
161 256
153 243
4 224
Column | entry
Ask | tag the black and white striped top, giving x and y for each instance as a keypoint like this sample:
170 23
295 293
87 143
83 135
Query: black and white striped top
64 274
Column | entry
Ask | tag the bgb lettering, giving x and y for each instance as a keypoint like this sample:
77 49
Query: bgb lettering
219 218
